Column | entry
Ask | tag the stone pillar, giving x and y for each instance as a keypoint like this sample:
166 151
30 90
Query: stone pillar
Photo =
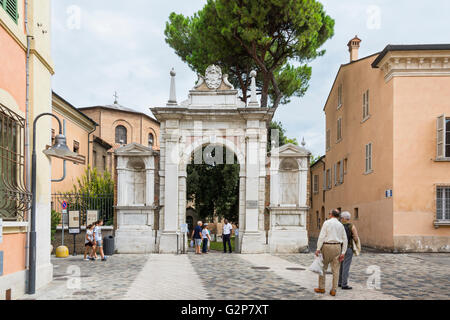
150 190
253 240
168 241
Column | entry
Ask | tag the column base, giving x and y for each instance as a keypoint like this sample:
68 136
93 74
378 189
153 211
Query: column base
169 242
288 241
253 242
135 240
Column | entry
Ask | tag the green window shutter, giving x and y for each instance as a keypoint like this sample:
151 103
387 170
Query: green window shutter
10 7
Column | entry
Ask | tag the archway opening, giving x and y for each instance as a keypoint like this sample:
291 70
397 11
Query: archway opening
212 190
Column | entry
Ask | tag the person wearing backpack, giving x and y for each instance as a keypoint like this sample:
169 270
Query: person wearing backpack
352 235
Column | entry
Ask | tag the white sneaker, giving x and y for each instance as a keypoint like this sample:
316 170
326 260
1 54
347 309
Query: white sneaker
86 259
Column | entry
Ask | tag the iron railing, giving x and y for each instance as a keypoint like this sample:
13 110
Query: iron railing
102 203
15 199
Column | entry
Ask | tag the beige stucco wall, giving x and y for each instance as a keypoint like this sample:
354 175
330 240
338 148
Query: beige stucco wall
418 102
359 190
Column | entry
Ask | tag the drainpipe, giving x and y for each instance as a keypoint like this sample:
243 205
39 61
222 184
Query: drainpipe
27 122
88 151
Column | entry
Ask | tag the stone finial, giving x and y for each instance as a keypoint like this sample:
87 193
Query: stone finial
253 100
303 142
173 96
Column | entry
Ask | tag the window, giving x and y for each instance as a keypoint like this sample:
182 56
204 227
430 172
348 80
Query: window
365 105
94 158
328 139
443 203
150 140
329 179
76 146
121 135
15 200
443 137
316 183
356 214
339 104
340 171
345 165
335 172
339 130
369 158
10 6
104 163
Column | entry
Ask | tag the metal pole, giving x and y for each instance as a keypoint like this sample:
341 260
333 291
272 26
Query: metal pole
62 223
74 245
32 258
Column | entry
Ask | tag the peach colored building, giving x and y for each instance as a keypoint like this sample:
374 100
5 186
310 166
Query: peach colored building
77 127
25 37
388 148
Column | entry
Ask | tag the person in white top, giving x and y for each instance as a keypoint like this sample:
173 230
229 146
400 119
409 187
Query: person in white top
332 243
226 234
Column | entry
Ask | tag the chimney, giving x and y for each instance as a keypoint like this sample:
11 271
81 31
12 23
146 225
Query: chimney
353 47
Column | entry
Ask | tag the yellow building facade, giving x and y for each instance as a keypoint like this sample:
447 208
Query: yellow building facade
387 151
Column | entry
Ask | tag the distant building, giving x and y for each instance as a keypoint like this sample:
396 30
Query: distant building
119 125
388 148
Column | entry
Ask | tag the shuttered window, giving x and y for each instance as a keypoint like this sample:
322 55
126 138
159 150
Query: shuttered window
369 158
443 137
341 172
339 130
365 104
316 183
10 6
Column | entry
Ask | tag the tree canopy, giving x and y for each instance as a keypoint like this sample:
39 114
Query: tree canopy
277 38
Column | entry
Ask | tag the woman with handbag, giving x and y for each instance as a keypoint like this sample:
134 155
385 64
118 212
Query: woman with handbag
354 246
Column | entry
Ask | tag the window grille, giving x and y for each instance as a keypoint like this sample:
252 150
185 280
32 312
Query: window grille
15 199
443 203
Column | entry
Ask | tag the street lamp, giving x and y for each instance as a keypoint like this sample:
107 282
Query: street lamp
58 150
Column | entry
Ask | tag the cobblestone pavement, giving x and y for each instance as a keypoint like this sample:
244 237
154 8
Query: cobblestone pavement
242 277
405 276
75 279
229 276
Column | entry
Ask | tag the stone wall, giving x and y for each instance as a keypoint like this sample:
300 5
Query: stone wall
68 239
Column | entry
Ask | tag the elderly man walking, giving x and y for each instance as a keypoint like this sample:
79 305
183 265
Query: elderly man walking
352 234
332 243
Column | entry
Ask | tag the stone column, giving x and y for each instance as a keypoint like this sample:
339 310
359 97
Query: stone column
122 182
168 240
150 187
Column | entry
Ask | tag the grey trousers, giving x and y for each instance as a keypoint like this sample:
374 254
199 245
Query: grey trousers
345 267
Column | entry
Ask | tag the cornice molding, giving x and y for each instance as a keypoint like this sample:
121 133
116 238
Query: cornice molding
67 112
415 64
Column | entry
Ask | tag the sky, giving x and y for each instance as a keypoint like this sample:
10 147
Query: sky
103 46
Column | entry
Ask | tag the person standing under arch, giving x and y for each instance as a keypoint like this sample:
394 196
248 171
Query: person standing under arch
226 235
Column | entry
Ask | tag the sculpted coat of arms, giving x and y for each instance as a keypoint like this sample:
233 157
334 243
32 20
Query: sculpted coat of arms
213 77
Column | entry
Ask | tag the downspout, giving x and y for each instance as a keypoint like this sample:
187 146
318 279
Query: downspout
27 124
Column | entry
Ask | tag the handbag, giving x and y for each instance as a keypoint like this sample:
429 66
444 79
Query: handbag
356 247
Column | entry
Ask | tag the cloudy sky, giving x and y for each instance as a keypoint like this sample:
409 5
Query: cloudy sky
104 46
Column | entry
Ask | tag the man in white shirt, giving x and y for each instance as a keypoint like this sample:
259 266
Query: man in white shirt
226 234
332 243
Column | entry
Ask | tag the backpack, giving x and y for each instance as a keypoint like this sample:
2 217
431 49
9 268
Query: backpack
348 230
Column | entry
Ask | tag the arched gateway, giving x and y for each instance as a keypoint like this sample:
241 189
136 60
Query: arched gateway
215 117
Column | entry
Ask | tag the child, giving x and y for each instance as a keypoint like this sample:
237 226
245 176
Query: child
205 238
88 242
98 240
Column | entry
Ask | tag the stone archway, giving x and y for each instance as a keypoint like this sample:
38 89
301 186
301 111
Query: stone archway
212 115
